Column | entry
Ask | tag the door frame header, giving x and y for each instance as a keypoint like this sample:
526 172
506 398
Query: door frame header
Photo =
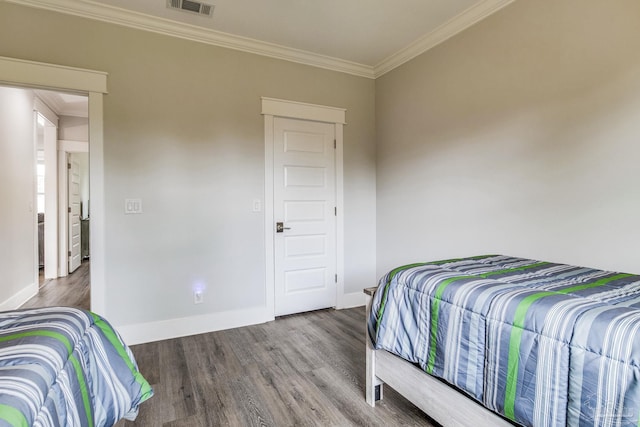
51 76
302 110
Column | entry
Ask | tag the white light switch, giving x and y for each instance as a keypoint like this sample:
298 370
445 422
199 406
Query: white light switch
133 206
257 205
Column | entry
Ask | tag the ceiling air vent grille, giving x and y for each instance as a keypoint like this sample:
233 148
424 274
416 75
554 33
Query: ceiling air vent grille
191 6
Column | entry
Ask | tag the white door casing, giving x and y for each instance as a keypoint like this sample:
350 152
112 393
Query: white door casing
51 236
272 109
94 83
304 205
74 215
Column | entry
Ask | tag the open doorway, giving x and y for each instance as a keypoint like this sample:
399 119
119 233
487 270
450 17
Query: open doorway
21 284
60 172
67 202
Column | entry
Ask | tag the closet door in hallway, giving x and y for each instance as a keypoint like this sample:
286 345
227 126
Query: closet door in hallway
74 215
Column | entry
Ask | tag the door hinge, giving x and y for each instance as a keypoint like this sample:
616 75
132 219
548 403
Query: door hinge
69 209
68 165
335 144
336 278
69 253
335 211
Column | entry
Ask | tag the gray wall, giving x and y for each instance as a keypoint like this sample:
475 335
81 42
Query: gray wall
17 181
518 136
183 132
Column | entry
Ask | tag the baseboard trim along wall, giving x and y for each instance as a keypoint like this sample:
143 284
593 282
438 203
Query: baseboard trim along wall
14 302
174 328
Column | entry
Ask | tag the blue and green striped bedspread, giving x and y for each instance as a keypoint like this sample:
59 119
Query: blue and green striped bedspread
542 344
62 366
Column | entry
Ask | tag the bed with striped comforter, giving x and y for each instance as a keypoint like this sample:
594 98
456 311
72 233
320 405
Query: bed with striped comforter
63 366
542 344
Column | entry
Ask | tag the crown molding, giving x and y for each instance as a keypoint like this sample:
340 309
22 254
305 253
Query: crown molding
458 23
114 15
137 20
55 101
50 100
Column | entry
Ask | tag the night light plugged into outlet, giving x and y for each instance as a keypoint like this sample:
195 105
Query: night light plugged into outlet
198 297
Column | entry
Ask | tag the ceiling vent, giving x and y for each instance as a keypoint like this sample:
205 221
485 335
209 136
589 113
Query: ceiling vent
191 6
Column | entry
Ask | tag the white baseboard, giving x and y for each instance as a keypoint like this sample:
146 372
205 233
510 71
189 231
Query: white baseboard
141 333
173 328
15 301
353 299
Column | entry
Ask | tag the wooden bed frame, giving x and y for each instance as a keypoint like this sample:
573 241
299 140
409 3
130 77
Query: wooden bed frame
443 403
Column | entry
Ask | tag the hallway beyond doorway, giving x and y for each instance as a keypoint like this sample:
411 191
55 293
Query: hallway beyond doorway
71 291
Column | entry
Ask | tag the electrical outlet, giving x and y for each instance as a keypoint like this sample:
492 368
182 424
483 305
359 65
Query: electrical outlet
132 206
198 297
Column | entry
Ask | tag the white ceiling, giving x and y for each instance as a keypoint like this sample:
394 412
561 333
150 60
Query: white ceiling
362 31
362 37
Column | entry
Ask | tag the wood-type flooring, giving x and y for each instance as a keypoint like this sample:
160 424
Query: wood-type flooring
300 370
71 291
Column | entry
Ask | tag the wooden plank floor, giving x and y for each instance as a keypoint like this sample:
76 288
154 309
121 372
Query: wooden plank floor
300 370
71 291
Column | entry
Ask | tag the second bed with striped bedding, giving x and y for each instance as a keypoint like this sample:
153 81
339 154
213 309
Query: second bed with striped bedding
542 344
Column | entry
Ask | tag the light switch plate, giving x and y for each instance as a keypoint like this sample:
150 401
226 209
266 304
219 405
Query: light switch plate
132 206
257 205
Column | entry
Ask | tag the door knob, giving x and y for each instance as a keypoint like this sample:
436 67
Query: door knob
280 227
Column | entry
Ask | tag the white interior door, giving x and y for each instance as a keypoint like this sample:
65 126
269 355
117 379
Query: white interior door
74 215
304 204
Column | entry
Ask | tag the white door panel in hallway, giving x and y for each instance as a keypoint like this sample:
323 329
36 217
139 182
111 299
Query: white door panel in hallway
304 211
74 215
